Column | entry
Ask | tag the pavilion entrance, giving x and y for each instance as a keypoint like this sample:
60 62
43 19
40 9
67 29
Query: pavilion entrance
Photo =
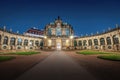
58 44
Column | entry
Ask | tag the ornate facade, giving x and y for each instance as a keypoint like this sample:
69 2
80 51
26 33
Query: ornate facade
59 35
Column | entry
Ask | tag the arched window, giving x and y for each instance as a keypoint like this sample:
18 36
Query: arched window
25 42
19 42
80 43
84 43
102 41
41 43
95 42
108 41
49 31
12 41
75 43
115 39
5 40
31 42
90 42
37 43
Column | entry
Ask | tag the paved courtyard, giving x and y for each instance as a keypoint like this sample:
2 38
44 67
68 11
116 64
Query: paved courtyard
59 65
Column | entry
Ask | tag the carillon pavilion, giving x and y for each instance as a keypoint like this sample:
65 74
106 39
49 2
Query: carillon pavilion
59 35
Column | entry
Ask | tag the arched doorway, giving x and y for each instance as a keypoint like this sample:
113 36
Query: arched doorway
58 44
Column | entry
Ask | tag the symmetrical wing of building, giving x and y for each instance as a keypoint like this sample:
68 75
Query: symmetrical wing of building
59 35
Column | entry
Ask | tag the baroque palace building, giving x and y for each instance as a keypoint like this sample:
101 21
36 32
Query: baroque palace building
59 36
109 40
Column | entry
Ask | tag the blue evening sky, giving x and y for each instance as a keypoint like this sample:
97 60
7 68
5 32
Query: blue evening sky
86 16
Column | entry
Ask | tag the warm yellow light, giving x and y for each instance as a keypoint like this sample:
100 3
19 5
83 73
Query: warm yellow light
45 37
71 37
49 42
67 41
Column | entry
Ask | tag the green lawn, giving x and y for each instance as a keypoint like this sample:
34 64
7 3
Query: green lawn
114 57
104 55
88 52
24 53
5 58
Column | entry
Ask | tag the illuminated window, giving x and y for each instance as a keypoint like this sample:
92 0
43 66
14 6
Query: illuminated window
115 39
58 31
108 41
19 42
67 31
90 42
5 40
12 41
102 41
95 42
25 42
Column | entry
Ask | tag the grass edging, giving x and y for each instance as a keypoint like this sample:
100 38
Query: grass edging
6 58
113 57
25 53
91 52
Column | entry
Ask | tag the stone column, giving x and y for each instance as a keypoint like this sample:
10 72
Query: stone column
105 41
111 40
99 43
28 42
45 43
78 43
23 47
2 39
112 44
93 44
70 43
16 40
87 43
9 46
22 41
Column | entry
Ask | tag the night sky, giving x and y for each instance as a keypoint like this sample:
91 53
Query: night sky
86 16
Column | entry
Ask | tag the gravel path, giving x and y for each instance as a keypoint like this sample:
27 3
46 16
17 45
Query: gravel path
11 69
57 66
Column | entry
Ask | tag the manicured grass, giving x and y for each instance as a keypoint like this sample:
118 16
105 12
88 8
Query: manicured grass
25 53
87 52
5 58
114 57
